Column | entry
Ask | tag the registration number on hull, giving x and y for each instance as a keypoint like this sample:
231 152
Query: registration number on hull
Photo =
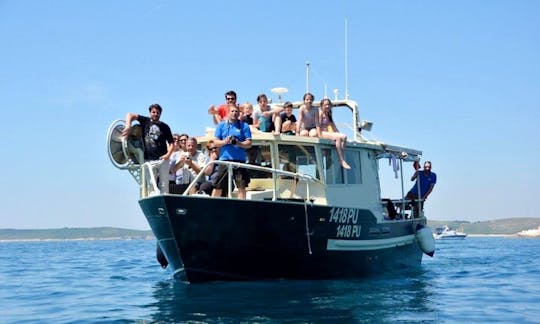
347 218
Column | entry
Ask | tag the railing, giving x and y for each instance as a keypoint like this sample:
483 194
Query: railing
400 207
149 181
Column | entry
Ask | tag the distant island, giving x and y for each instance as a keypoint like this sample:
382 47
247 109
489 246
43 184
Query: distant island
73 233
507 226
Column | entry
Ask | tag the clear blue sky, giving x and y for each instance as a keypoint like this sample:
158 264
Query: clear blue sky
459 80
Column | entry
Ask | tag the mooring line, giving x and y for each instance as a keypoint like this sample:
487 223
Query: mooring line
307 226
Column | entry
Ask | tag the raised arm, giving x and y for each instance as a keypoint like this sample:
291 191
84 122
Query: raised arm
212 110
197 165
130 117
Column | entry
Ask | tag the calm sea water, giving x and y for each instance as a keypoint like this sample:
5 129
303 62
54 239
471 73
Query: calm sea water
474 280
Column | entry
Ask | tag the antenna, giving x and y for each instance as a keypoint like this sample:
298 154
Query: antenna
346 64
307 76
279 92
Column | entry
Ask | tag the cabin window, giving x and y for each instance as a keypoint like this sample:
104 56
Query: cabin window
335 174
259 155
354 174
298 158
332 171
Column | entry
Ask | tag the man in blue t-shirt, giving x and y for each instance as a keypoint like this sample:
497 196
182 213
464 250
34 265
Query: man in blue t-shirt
425 179
233 137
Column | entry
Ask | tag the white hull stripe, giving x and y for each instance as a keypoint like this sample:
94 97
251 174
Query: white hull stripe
368 245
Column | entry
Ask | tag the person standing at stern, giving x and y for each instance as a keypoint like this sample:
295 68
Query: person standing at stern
426 180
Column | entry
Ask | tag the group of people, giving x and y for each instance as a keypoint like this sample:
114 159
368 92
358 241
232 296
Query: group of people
279 119
179 161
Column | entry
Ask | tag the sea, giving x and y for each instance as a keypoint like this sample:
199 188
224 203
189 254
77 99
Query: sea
475 280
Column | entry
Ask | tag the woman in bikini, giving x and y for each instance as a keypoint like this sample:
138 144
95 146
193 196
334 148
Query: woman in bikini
308 118
330 131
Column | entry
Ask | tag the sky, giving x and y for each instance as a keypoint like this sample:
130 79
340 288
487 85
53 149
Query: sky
458 80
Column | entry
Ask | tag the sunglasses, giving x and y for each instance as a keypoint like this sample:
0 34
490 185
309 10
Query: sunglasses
212 149
230 98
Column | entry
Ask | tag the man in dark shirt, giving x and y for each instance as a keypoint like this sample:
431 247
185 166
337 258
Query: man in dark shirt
158 140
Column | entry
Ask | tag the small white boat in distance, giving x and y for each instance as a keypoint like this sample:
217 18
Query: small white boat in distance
445 233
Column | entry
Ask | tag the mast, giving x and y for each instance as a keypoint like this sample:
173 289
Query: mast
307 76
346 64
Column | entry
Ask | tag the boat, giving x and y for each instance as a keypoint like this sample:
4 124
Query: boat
534 232
445 233
304 216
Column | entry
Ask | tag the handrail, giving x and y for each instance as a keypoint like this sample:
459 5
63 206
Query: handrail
403 203
149 181
150 166
275 173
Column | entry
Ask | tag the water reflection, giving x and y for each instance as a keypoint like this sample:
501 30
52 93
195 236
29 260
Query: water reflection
403 298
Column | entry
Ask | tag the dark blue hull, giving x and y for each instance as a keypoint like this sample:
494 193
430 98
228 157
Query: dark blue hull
207 239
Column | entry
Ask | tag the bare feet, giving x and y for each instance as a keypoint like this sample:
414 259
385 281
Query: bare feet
345 165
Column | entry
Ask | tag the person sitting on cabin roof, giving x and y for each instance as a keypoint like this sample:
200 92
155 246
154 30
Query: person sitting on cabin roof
264 116
330 131
233 137
308 118
247 117
286 124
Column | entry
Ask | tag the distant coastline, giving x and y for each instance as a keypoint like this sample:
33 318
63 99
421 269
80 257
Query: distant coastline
73 234
493 235
119 238
508 227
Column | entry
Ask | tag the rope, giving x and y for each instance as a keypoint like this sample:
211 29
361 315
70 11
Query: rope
307 227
